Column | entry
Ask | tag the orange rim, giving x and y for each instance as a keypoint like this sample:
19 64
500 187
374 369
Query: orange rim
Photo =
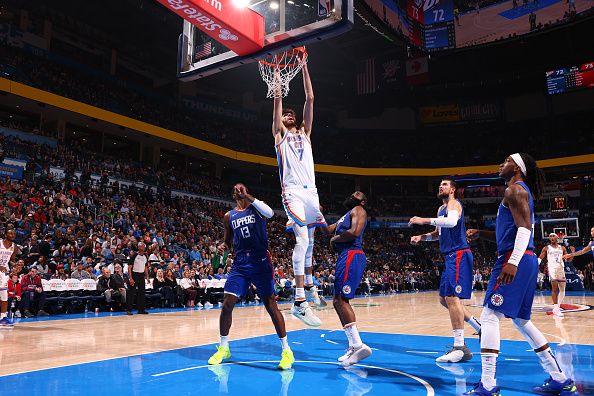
270 61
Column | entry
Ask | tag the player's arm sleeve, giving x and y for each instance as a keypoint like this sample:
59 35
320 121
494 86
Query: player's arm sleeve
449 221
263 208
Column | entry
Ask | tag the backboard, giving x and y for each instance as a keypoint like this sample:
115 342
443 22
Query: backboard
569 227
288 24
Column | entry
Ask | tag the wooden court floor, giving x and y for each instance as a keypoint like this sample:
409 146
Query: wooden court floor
54 343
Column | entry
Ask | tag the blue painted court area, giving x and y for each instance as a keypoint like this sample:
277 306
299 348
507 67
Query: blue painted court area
514 13
400 365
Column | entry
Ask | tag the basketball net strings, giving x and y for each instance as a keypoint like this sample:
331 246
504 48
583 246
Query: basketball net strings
278 71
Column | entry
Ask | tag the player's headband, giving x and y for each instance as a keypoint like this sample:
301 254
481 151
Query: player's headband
520 162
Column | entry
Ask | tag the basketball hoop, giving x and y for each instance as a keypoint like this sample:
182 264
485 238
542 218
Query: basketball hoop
278 70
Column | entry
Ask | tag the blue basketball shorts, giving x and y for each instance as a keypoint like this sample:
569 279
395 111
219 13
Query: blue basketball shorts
456 279
246 270
514 300
349 272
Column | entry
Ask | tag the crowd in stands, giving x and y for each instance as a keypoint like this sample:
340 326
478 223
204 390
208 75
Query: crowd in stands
77 228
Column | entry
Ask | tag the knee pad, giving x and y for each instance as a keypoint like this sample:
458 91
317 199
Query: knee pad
490 336
533 336
309 252
300 249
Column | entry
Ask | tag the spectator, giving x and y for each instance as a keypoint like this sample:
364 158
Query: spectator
221 274
60 273
111 287
14 294
81 272
190 289
165 287
32 294
42 267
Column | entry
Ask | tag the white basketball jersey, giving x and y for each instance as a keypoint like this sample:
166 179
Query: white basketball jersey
295 161
554 255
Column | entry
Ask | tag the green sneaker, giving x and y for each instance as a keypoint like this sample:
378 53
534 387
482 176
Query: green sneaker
221 354
287 359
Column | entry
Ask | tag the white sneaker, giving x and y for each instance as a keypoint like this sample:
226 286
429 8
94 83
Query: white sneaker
199 305
207 304
313 296
17 314
455 355
347 354
305 314
557 312
358 354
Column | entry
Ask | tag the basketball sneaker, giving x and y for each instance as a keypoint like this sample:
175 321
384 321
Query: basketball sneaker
313 296
552 387
221 354
287 359
479 390
6 322
347 354
305 314
456 355
360 353
557 312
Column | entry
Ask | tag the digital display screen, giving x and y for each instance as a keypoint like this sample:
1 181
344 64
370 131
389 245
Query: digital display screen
558 204
570 79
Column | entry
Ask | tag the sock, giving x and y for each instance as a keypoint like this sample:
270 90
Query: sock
349 337
474 323
458 337
354 335
489 362
308 280
299 295
2 315
284 342
224 341
549 363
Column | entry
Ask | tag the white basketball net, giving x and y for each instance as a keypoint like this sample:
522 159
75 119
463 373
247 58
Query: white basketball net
278 70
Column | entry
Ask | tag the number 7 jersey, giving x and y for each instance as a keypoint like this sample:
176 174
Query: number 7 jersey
295 161
249 232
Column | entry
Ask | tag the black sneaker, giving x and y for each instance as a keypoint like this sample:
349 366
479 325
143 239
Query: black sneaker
27 314
129 313
41 312
143 312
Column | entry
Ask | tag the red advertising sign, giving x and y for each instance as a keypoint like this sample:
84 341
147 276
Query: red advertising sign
238 28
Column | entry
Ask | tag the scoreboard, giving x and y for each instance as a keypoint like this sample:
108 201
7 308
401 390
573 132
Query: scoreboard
440 32
570 79
559 204
431 23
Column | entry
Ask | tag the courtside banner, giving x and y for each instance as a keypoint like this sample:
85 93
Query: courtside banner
238 28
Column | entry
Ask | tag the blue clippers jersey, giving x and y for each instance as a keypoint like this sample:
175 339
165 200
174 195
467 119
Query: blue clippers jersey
344 224
249 232
505 227
451 239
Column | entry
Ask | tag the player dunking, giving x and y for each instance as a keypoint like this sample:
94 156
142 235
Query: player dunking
554 255
245 231
299 195
7 254
348 244
513 281
457 277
